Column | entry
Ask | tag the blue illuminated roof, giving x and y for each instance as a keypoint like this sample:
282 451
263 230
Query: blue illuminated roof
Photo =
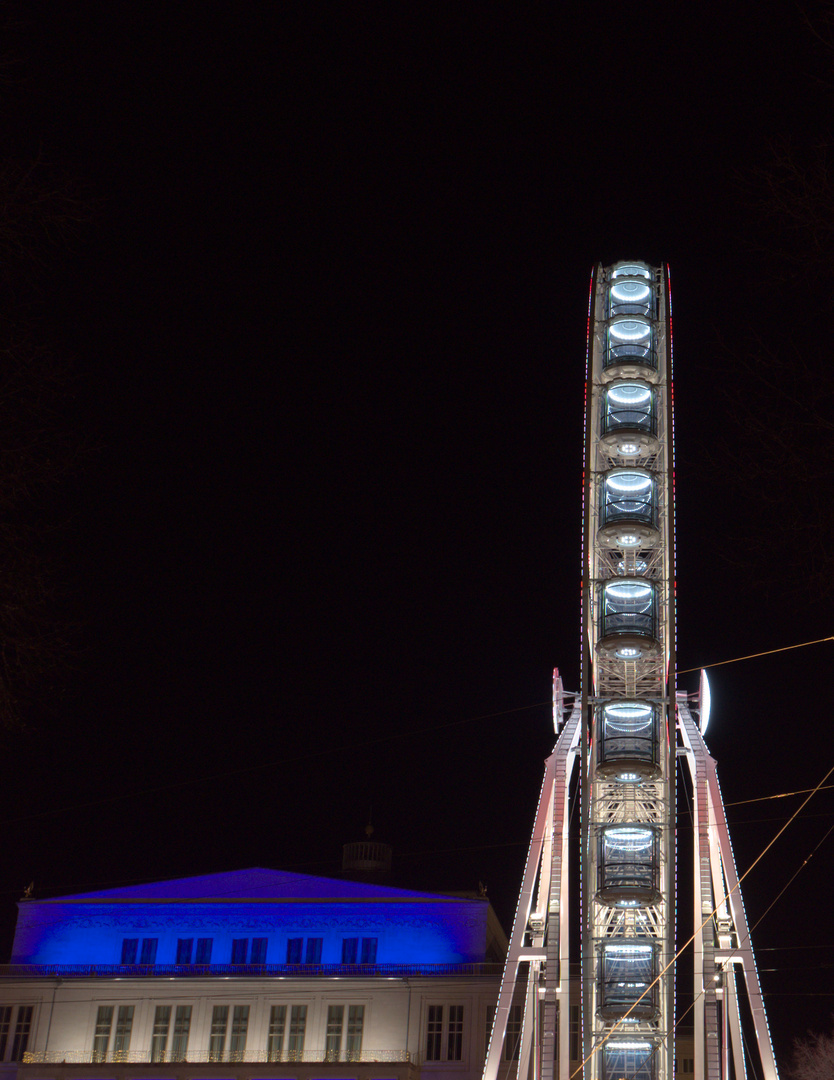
255 884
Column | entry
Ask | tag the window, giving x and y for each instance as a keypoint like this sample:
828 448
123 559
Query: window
368 950
149 945
159 1039
242 955
161 1027
444 1034
454 1040
21 1032
350 950
101 1039
434 1032
356 1024
217 1039
313 950
275 1037
240 1026
574 1033
129 948
124 1026
203 950
294 950
513 1039
339 1035
298 1024
333 1043
5 1024
182 1026
184 948
490 1019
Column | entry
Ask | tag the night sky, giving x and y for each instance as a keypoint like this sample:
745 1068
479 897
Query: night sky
326 321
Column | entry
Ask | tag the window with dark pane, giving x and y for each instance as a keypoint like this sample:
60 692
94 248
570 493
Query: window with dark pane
258 955
355 1025
130 946
434 1032
159 1039
101 1038
513 1037
217 1038
21 1032
149 945
182 1028
490 1018
454 1040
124 1026
368 950
5 1024
203 955
313 955
333 1038
275 1036
185 947
240 1027
298 1026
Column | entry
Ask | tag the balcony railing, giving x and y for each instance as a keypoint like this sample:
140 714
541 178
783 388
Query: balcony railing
143 1057
260 971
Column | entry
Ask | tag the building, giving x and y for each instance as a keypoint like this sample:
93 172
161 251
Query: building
255 973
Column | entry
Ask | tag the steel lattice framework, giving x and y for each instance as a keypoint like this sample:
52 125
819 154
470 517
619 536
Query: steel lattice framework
622 730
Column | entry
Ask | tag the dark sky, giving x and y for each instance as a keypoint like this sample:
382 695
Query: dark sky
327 323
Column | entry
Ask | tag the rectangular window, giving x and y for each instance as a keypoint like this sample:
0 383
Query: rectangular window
124 1026
129 947
350 950
184 949
490 1019
101 1039
275 1038
240 1027
294 945
203 950
182 1027
333 1043
21 1032
159 1039
356 1022
434 1032
239 947
513 1039
573 1031
298 1025
454 1039
149 945
217 1039
5 1024
368 950
313 950
258 950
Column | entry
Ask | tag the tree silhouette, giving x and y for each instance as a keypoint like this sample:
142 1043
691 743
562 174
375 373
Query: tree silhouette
813 1058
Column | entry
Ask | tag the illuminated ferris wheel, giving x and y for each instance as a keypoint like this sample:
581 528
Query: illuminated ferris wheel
622 729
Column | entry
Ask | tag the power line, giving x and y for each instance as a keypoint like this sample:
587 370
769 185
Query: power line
752 656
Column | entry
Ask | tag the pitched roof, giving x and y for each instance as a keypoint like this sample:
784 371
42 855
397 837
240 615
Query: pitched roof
256 884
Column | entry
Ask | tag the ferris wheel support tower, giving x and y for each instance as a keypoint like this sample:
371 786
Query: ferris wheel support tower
622 729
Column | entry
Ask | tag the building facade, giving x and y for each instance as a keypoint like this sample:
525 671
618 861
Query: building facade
255 973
